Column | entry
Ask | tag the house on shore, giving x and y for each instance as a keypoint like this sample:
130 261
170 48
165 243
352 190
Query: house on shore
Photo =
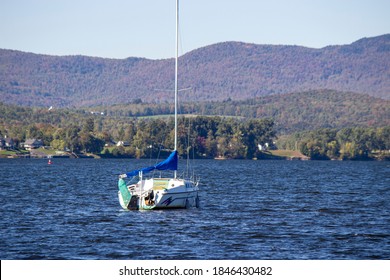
31 144
123 143
7 143
110 143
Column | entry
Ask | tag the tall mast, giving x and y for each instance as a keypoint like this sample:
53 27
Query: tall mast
176 73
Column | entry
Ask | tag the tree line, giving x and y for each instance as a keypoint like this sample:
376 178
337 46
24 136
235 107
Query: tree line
202 137
292 112
199 136
348 143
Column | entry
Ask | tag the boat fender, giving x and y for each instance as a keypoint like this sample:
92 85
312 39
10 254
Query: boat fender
188 205
197 202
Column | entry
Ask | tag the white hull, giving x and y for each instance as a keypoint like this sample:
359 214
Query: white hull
162 193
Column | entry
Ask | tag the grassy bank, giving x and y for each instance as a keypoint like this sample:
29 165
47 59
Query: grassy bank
288 154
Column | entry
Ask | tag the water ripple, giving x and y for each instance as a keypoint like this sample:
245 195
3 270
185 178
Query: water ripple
249 210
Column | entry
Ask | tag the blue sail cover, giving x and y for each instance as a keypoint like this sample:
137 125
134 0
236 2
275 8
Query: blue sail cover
169 164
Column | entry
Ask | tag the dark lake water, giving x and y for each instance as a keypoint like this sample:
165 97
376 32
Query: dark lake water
249 210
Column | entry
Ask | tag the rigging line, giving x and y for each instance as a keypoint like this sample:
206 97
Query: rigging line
188 146
163 138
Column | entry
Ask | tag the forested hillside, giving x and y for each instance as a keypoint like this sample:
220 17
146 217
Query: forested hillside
343 125
231 70
291 112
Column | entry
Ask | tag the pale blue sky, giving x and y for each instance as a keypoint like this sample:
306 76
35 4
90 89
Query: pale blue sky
145 28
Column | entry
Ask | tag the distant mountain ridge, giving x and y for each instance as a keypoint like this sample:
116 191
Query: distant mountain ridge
230 70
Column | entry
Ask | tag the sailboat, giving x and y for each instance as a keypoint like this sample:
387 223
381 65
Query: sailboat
160 193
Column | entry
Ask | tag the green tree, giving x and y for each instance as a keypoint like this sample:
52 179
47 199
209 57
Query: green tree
90 143
89 125
58 144
211 145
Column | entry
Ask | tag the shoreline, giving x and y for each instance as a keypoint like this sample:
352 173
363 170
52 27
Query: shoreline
269 155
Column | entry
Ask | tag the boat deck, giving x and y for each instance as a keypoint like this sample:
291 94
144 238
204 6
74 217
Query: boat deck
160 184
